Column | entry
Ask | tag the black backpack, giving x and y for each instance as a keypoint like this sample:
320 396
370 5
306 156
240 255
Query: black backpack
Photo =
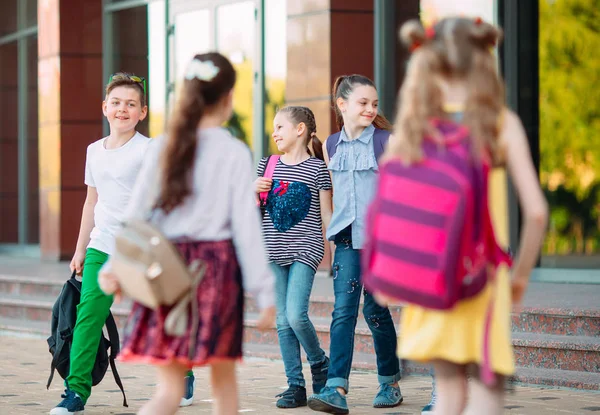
64 317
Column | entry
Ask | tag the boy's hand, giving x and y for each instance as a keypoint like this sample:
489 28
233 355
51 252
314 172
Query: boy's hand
266 320
109 284
77 262
263 184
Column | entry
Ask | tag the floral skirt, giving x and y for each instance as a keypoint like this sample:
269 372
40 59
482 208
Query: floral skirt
220 298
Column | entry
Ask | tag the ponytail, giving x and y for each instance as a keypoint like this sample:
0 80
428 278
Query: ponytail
208 79
180 151
382 123
317 147
339 120
297 115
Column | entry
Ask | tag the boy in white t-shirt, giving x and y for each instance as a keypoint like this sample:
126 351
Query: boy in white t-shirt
111 168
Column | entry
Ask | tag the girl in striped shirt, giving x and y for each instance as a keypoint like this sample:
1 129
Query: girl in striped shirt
297 207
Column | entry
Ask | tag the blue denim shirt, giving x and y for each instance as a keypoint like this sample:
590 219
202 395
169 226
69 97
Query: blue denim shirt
354 172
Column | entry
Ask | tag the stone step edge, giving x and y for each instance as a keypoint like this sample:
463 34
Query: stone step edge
554 378
536 340
549 311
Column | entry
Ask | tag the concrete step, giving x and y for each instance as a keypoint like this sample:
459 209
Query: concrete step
544 351
558 321
574 353
544 320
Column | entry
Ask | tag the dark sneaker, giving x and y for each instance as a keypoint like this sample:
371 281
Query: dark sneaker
71 404
319 375
428 409
188 396
388 396
293 397
329 400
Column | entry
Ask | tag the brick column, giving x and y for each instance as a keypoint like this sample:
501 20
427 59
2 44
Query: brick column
325 39
70 116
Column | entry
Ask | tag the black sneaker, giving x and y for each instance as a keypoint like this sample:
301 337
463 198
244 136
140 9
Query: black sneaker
71 404
319 375
293 397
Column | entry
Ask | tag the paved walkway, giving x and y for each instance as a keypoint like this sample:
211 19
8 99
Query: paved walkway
24 366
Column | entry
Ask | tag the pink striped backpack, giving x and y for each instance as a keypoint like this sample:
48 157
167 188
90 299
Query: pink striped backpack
430 239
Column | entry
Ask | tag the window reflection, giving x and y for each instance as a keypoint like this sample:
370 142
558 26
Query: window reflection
275 63
130 48
157 61
235 39
569 131
192 36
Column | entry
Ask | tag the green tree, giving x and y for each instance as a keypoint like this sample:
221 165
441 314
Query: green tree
570 122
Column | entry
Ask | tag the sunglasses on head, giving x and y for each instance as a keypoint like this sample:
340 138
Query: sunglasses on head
119 76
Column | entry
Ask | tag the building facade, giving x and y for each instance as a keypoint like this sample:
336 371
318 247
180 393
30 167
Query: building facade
56 56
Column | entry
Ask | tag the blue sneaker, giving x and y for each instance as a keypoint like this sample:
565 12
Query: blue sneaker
388 396
71 404
329 400
190 385
428 409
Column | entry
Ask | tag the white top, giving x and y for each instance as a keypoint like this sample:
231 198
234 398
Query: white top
222 205
113 173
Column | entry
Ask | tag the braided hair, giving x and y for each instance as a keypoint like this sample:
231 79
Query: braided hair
299 114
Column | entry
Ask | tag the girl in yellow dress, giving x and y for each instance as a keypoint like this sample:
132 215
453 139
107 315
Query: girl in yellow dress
452 74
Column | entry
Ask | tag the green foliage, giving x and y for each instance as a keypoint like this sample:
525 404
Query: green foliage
570 122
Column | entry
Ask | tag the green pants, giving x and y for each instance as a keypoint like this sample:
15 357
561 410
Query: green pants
92 312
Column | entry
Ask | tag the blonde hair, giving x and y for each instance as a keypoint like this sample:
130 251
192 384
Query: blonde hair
455 48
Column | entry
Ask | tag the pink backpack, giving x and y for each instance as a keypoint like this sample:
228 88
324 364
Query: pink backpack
268 173
430 239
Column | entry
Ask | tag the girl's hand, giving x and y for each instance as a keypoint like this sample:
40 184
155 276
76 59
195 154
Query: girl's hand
77 262
518 287
109 284
262 184
266 320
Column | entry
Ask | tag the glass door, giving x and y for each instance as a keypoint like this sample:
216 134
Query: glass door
232 28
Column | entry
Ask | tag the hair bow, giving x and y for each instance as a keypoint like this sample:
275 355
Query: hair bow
202 70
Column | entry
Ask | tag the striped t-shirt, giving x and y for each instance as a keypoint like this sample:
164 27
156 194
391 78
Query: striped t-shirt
292 224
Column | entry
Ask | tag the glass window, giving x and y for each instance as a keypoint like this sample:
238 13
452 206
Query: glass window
569 131
275 63
31 12
235 39
130 48
8 17
157 62
192 36
432 10
9 147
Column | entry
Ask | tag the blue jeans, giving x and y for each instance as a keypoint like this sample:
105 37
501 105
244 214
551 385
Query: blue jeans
293 285
348 289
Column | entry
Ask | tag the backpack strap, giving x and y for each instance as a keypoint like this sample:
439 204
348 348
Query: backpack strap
380 140
268 173
331 144
115 348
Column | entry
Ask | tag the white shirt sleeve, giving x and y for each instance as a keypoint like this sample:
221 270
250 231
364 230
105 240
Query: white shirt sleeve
89 178
247 236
